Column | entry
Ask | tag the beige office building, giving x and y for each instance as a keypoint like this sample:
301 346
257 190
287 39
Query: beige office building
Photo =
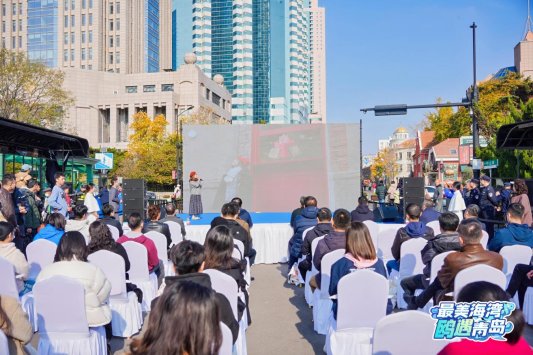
317 29
523 56
105 102
13 20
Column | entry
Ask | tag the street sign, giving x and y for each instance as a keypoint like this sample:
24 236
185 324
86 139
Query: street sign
106 161
467 140
490 164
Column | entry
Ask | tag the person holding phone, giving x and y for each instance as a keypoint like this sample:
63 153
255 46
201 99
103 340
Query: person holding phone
195 205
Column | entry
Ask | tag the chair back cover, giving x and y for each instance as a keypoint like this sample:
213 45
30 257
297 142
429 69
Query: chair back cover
115 233
225 285
239 245
514 254
325 269
314 244
175 232
373 228
436 264
410 257
480 272
138 256
113 268
8 285
236 254
435 225
4 346
227 341
484 239
401 333
40 253
362 299
385 240
160 242
305 232
60 306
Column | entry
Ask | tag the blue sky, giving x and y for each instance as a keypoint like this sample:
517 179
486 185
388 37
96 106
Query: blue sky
412 52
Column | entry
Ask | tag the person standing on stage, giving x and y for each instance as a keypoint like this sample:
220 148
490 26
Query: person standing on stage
195 205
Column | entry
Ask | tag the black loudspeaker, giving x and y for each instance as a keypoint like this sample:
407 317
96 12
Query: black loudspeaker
134 196
413 191
385 213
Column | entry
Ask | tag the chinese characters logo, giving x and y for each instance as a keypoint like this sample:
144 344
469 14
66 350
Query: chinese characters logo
477 321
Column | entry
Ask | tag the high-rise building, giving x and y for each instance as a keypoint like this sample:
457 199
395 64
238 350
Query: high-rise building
125 36
317 61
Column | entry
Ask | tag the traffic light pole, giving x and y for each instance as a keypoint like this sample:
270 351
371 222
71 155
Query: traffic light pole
473 99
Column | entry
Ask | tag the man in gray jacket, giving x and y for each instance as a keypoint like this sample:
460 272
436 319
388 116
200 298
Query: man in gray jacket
113 193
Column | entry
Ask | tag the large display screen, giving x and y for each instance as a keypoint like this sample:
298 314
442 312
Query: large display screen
270 166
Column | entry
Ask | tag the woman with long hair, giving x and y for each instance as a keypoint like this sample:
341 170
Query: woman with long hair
360 254
483 291
195 205
15 325
54 229
102 239
184 321
521 196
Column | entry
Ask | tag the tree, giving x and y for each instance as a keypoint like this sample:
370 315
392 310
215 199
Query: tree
203 116
151 153
31 92
384 165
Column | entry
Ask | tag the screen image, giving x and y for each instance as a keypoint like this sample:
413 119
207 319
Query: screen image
270 166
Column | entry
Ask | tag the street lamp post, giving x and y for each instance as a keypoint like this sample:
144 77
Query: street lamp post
179 146
473 100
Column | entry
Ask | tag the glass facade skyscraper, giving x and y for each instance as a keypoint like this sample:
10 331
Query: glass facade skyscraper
42 31
221 39
182 26
151 44
261 60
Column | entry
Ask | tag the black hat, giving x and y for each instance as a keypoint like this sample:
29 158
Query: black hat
485 178
475 181
507 184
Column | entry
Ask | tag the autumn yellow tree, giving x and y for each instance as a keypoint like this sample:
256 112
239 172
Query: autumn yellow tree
151 153
384 165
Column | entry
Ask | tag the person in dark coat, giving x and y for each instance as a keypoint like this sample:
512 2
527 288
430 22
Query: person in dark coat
472 212
381 191
448 240
306 220
362 212
170 211
429 213
109 218
514 233
154 224
322 228
243 214
297 211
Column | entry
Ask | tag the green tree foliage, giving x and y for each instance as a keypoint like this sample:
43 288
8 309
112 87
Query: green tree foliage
501 101
31 92
384 165
151 153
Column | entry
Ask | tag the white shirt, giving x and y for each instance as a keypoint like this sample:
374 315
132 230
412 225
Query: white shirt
91 203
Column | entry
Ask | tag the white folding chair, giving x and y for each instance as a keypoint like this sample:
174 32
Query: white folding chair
227 341
139 274
385 241
239 255
484 239
307 288
175 232
410 264
480 272
436 264
40 253
160 242
126 313
8 286
321 301
4 346
361 302
63 327
115 233
373 228
239 246
512 255
401 333
435 225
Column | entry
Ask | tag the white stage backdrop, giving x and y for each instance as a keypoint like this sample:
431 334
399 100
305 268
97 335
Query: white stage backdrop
271 166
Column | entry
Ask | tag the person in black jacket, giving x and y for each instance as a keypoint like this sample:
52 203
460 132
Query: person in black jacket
298 211
448 240
362 212
322 228
109 218
153 224
230 212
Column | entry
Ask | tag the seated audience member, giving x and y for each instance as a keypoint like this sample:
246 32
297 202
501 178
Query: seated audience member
243 214
188 259
472 253
472 212
521 196
80 223
71 261
429 214
109 218
360 254
298 211
413 229
135 223
514 233
482 291
218 255
185 321
154 224
9 251
362 212
521 279
15 325
170 209
230 211
322 228
305 220
332 241
448 240
54 229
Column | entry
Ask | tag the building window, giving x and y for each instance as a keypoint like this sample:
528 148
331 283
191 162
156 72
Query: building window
83 19
90 4
117 24
14 26
90 56
20 25
117 59
216 99
117 7
409 155
83 37
72 54
3 42
4 26
65 38
20 8
90 19
90 36
207 94
453 151
111 8
72 37
14 8
167 87
13 42
110 25
3 9
131 89
110 58
83 54
83 4
65 55
117 41
20 41
111 41
149 88
73 4
72 22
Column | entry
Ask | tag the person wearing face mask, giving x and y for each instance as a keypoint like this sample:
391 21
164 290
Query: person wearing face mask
90 202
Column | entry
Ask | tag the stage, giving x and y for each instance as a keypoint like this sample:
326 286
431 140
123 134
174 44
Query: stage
270 233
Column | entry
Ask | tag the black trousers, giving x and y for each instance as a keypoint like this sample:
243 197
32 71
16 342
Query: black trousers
412 283
430 292
304 266
519 282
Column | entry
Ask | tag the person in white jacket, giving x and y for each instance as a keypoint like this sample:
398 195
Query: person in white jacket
80 223
9 251
457 202
71 261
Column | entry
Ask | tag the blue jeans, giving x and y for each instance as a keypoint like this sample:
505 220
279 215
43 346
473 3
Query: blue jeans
393 264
